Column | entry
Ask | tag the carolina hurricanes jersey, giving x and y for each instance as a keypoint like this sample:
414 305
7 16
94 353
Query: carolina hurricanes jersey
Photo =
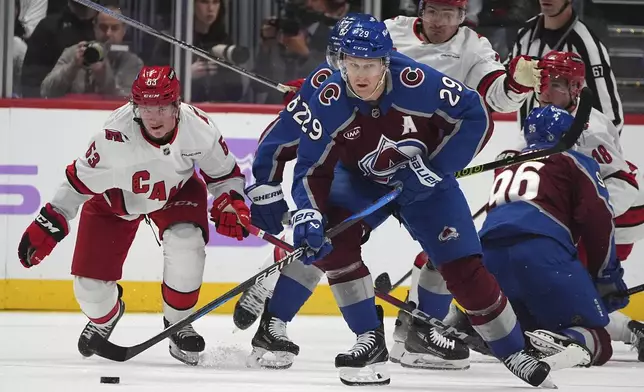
137 176
467 57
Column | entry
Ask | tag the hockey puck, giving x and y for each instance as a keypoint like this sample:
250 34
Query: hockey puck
110 380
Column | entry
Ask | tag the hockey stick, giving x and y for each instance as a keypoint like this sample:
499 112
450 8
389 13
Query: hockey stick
198 51
566 142
448 330
474 342
383 282
106 349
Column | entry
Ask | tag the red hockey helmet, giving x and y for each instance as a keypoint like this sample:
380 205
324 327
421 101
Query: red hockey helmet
564 65
156 85
455 3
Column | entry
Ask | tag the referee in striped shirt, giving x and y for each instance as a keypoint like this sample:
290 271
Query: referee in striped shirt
558 28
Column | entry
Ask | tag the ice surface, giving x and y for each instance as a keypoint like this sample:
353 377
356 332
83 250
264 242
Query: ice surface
38 353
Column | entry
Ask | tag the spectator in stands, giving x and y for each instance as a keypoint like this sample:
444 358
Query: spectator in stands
210 82
31 13
293 45
19 48
104 66
52 35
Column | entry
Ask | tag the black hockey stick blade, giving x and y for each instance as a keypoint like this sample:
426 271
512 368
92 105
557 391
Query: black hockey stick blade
106 349
566 142
447 330
401 280
383 283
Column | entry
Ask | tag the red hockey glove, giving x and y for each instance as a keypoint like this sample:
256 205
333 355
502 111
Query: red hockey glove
231 215
296 85
522 74
42 235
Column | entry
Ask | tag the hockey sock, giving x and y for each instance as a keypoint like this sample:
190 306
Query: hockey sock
288 297
596 340
433 296
486 306
356 298
618 327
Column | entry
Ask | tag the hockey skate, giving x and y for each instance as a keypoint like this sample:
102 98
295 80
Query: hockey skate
271 339
250 305
529 369
637 339
427 348
104 330
186 344
401 329
365 363
560 351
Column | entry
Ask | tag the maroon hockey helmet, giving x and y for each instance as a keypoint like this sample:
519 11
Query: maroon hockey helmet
564 65
454 3
156 86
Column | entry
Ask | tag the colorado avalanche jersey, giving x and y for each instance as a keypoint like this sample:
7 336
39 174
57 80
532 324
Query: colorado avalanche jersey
467 57
278 144
562 197
601 142
136 176
422 111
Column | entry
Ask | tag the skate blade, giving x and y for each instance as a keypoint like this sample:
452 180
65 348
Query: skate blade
548 384
187 357
262 358
431 362
560 357
370 375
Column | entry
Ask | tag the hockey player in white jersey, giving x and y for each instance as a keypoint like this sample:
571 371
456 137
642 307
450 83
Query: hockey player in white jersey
436 38
140 165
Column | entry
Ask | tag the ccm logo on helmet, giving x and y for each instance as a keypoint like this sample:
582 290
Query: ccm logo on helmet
320 76
330 93
412 77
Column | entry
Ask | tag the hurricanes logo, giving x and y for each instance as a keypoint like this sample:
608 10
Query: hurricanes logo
412 77
383 162
319 77
329 94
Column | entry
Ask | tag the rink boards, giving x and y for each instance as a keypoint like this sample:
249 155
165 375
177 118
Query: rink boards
38 140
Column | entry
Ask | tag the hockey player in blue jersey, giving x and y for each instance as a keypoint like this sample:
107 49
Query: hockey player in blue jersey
538 212
385 121
277 146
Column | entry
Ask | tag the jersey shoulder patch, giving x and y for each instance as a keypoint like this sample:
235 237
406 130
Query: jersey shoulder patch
412 77
319 77
330 93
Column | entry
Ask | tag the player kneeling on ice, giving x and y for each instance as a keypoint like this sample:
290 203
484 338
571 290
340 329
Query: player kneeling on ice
562 76
387 121
538 211
142 164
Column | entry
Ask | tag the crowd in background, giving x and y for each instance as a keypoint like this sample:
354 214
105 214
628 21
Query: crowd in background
63 49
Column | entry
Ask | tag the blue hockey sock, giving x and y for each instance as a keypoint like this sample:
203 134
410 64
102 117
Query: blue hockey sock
361 316
288 297
435 305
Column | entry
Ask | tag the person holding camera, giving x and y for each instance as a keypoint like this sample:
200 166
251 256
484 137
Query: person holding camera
294 43
51 36
103 66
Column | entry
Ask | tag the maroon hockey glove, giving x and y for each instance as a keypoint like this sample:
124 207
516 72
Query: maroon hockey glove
42 235
231 215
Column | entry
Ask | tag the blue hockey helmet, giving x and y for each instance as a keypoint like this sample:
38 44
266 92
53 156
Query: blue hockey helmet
367 39
340 29
545 125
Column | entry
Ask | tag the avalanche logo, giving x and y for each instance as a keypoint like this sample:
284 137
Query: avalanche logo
329 94
412 77
381 163
448 233
319 77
